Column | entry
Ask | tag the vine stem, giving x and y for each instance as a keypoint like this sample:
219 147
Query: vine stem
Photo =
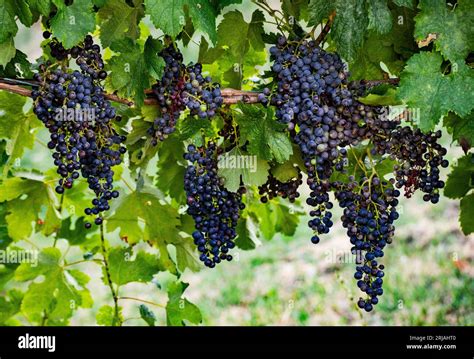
326 29
230 96
143 301
107 274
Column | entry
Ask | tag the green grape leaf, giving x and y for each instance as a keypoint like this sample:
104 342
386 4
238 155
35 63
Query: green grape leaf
129 71
423 87
126 269
144 207
106 316
350 14
462 128
5 240
168 15
380 17
235 57
179 309
236 166
75 235
461 179
220 4
246 234
318 11
453 29
53 295
298 9
8 27
72 23
467 214
7 51
405 3
171 169
186 254
147 315
17 130
265 136
19 66
41 6
276 217
24 12
203 16
27 198
10 305
155 63
118 20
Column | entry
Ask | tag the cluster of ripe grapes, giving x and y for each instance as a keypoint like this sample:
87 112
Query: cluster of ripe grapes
72 106
182 87
275 188
215 209
313 97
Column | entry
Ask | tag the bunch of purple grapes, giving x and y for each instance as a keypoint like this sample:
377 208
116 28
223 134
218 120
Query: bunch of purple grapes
215 210
72 106
182 87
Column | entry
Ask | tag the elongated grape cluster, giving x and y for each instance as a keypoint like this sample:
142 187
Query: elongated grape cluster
71 104
419 159
215 210
369 212
275 188
313 97
182 87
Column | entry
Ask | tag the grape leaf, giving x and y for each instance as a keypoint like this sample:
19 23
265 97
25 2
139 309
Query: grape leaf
203 16
298 9
453 28
72 23
106 316
461 179
179 309
123 269
129 71
171 169
169 16
265 136
8 27
186 254
424 87
236 165
10 305
236 56
7 51
405 3
350 14
144 206
246 234
23 211
154 62
380 17
41 6
24 12
19 66
119 19
55 293
17 129
467 214
147 315
462 128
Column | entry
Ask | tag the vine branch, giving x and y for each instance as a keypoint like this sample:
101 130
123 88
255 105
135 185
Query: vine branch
326 29
107 275
230 96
